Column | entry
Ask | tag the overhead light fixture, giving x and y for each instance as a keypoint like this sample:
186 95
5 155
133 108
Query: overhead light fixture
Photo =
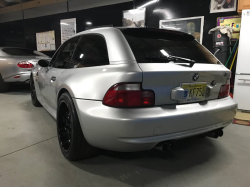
89 23
62 23
171 28
81 56
148 3
134 11
2 59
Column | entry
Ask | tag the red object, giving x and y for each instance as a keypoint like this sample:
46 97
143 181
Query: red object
25 64
224 91
241 122
17 76
219 36
129 95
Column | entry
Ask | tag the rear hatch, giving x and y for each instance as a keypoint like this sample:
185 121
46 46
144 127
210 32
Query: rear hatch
175 66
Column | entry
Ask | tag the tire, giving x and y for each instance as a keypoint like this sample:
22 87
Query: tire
34 99
70 136
4 87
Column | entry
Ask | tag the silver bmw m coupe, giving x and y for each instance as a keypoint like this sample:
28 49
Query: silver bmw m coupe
16 65
132 89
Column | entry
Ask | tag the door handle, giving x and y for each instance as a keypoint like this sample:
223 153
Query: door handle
53 79
244 79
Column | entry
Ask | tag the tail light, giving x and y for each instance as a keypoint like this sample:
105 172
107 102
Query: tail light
129 95
25 64
224 90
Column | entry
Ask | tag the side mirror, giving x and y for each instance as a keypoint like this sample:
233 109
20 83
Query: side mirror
43 63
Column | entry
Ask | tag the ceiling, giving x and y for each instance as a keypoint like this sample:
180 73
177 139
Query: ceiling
6 3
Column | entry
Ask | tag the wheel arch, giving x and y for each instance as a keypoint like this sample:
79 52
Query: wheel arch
64 89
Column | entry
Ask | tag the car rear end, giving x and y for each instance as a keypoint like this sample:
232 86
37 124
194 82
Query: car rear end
18 63
184 91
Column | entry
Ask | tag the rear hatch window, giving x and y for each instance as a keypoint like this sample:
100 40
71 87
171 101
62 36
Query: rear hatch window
156 46
176 67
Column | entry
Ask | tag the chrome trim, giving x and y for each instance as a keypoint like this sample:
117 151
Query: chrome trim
244 79
242 73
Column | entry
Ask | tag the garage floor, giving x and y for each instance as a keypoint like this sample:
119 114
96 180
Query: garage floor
30 156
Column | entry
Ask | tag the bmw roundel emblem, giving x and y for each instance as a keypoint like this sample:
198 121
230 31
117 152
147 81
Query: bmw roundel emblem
196 76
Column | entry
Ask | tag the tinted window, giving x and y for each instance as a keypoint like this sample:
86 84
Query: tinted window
146 47
63 58
20 52
91 51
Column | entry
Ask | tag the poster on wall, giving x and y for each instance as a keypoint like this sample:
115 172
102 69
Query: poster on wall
192 25
68 29
223 6
45 41
134 18
233 22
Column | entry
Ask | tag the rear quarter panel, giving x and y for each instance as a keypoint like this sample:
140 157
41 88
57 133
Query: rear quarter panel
9 68
93 82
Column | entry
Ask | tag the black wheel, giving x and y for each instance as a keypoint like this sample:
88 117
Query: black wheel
4 87
34 99
71 139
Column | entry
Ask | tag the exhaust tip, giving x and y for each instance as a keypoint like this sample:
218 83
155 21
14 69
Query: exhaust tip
215 134
166 146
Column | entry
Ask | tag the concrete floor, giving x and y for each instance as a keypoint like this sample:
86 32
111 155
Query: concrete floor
30 156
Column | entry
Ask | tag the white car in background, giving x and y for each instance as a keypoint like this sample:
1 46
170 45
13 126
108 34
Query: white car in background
16 65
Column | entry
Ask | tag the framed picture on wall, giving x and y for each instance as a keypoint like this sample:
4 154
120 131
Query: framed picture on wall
68 29
223 6
45 41
134 18
191 25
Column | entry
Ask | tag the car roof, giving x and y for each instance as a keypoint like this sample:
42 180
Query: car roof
141 32
13 47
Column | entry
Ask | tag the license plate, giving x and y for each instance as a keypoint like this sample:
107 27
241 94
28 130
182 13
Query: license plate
194 92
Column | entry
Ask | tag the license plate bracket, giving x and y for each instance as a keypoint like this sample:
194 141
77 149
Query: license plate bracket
194 92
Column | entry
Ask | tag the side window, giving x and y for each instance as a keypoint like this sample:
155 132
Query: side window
91 51
63 58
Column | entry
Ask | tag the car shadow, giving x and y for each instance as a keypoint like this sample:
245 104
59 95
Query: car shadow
141 168
19 89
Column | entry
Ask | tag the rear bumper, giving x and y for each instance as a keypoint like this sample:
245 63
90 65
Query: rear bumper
143 128
21 77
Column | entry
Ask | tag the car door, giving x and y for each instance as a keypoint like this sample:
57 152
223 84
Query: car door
51 75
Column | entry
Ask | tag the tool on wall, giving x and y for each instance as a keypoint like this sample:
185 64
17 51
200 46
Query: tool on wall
234 59
233 51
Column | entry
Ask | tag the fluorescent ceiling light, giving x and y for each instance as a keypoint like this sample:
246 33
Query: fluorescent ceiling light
134 11
148 3
88 23
62 23
164 53
172 28
2 59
